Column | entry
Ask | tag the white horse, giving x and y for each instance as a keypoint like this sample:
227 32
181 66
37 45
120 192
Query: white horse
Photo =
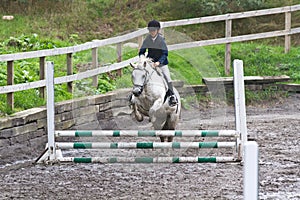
149 97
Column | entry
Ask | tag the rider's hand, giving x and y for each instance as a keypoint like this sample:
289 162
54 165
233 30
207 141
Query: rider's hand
156 64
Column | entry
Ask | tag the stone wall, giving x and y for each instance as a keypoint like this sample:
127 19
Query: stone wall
32 123
26 132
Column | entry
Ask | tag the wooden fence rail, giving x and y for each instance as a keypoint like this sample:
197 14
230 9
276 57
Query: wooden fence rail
95 44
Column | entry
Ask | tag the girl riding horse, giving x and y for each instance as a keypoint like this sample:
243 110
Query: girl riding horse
158 52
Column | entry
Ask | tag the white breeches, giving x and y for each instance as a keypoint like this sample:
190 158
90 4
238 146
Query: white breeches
165 70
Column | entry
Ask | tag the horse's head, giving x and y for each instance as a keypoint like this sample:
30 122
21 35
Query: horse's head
139 76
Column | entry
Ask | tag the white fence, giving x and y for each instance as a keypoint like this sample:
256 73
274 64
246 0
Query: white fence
95 44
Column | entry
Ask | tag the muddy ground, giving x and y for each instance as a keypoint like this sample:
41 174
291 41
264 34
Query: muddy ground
276 127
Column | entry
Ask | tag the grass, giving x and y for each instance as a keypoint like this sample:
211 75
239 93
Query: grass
260 59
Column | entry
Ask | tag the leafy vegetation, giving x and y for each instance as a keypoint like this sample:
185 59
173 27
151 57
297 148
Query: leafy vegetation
58 19
52 24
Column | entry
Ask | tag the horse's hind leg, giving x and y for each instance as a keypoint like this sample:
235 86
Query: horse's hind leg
170 138
170 124
166 139
162 139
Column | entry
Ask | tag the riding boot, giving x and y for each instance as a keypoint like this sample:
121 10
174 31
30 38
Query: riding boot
172 100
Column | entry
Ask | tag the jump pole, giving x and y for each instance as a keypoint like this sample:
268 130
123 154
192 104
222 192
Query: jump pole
143 145
147 133
147 159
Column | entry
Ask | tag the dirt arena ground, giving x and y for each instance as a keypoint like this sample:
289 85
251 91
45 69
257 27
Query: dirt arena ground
276 128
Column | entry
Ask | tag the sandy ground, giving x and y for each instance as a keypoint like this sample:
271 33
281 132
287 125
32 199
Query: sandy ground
276 128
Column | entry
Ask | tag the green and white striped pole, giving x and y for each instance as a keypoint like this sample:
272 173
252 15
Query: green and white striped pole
147 159
143 145
147 133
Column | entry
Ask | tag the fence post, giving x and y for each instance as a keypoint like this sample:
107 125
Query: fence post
69 71
119 57
10 81
228 46
288 20
140 42
42 76
95 65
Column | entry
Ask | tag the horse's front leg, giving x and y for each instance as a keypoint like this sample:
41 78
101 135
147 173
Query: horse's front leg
138 116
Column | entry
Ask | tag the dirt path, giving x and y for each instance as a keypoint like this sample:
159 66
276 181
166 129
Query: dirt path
276 127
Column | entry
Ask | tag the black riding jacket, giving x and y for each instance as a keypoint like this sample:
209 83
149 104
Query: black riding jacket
157 49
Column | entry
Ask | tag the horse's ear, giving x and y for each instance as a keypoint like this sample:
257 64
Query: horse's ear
142 57
132 65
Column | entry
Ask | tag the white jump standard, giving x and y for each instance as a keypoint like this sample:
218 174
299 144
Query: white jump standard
54 154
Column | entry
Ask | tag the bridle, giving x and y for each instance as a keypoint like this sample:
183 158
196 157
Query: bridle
146 80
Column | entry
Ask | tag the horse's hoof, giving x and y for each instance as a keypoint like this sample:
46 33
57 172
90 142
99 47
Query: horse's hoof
170 139
140 119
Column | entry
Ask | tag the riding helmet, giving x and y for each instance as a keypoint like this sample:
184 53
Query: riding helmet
153 25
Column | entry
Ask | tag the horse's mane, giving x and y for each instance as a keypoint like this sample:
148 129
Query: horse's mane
144 59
